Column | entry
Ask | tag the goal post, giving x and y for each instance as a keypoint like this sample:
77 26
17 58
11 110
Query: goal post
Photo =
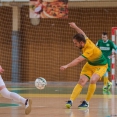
113 64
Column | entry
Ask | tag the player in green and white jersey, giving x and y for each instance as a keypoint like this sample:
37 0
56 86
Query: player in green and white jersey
106 47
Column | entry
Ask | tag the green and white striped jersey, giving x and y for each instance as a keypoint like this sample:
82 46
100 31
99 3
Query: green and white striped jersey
106 47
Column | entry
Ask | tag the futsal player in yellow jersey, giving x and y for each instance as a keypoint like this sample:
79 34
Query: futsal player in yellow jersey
93 70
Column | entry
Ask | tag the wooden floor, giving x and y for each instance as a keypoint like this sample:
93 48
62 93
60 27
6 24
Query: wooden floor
48 103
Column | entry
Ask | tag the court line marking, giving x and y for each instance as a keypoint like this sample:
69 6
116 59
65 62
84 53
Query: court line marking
63 95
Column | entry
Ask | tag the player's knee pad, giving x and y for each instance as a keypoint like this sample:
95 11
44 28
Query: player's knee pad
5 93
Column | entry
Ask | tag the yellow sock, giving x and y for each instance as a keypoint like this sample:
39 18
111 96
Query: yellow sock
76 92
106 81
90 92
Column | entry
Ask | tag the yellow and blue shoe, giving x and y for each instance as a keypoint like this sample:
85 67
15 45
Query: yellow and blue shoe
68 104
83 105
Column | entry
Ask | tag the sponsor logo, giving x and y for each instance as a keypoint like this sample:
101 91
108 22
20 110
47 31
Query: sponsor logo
104 48
107 44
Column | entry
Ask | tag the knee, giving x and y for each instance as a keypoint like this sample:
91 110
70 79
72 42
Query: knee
81 82
93 81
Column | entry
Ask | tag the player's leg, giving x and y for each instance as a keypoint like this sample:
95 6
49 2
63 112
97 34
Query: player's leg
99 72
11 95
91 90
77 89
105 81
84 77
108 83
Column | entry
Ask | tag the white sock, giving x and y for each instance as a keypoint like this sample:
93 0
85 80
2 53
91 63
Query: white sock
17 98
11 95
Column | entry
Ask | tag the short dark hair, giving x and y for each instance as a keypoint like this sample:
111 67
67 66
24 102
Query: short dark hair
105 33
79 37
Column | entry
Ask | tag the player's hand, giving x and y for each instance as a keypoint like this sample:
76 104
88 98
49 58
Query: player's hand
1 70
112 56
72 24
62 68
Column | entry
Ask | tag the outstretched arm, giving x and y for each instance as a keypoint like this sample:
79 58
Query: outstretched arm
73 63
73 25
115 47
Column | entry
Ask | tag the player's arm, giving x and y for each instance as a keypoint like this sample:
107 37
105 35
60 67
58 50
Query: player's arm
73 25
114 47
1 69
97 44
73 63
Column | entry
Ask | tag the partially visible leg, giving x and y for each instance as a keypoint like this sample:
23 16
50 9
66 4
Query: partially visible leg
92 86
109 84
98 73
105 81
11 95
78 88
106 78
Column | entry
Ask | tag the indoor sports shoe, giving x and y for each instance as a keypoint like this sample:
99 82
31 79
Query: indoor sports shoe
83 105
68 104
109 85
28 105
105 88
106 92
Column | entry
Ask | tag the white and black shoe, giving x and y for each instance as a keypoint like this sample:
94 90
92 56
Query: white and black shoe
28 105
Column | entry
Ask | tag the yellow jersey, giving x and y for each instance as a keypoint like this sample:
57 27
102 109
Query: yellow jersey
93 54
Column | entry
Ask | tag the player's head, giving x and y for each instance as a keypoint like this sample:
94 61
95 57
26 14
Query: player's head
79 40
104 36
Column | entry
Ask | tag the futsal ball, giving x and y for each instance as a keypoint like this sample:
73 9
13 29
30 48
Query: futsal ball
40 83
